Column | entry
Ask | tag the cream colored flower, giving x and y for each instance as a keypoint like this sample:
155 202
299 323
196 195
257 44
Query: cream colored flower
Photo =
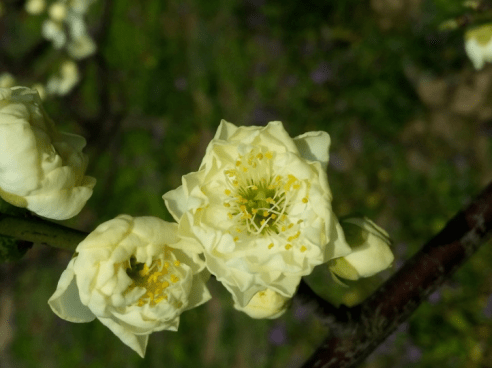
7 80
478 45
67 27
81 47
63 82
54 32
135 276
41 169
265 304
370 250
35 7
260 206
57 11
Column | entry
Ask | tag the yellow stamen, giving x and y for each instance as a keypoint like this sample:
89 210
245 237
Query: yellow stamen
303 248
270 246
174 278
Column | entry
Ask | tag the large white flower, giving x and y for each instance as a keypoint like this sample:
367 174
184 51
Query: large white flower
40 168
135 276
260 206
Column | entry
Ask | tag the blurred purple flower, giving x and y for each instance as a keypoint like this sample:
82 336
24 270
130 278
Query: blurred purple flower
356 143
322 73
180 83
301 312
413 353
487 311
337 162
278 335
435 297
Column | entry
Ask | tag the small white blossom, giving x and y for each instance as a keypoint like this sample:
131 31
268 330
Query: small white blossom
57 11
478 45
67 27
370 250
54 32
35 7
135 275
41 169
260 206
265 304
63 82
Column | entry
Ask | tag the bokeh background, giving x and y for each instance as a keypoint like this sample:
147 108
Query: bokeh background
411 127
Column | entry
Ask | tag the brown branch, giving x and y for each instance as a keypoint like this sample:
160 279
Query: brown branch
370 323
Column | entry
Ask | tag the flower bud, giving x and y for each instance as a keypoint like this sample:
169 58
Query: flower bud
135 276
41 169
370 250
265 304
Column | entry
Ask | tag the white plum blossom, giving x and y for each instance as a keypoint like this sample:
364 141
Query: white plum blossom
260 206
41 169
65 80
136 276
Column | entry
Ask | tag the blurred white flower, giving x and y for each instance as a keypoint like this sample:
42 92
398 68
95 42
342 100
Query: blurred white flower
57 11
265 304
135 276
260 206
65 80
66 27
35 7
478 45
41 90
41 169
7 80
54 32
370 250
81 47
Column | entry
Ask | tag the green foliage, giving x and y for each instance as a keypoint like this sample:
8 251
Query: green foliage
12 250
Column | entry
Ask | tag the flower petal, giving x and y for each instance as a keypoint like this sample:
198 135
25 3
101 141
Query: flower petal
136 342
65 302
314 146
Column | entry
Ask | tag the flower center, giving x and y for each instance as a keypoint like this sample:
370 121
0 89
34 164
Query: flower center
154 279
258 199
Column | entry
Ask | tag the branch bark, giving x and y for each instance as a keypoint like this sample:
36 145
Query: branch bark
359 330
38 230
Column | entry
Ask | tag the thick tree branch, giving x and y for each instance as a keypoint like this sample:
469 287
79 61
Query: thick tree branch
370 323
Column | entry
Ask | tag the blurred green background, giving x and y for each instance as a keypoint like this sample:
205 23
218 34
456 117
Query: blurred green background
411 127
